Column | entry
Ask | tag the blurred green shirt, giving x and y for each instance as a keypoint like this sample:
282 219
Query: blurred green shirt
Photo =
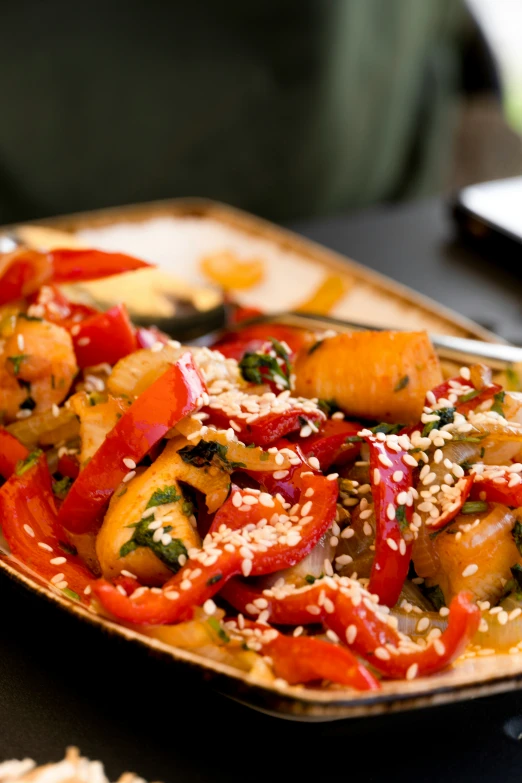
287 108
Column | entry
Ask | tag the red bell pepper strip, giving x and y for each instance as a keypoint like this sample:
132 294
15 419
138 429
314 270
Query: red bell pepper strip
28 519
289 487
390 477
170 398
347 610
497 490
104 337
54 306
21 273
443 390
24 271
68 466
253 338
305 659
224 555
79 264
329 445
466 484
266 429
11 452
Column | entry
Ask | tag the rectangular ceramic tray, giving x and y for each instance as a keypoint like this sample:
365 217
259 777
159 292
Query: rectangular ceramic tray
390 304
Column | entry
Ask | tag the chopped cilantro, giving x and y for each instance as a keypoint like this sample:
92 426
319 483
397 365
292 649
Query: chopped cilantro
142 536
264 456
435 595
469 396
71 594
206 452
315 346
466 464
163 496
328 406
260 367
497 404
517 536
404 381
30 461
446 416
387 429
311 579
474 507
67 548
187 508
214 579
516 573
400 516
62 487
16 361
27 317
216 627
475 438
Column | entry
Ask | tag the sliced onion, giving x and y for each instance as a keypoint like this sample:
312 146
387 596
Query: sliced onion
359 545
311 565
46 429
497 636
424 556
412 594
408 622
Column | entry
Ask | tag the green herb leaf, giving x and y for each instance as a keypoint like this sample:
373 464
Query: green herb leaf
474 507
62 487
27 317
16 361
217 628
328 407
517 536
387 429
142 536
466 464
400 516
435 595
446 416
498 402
469 396
67 548
404 381
71 594
214 579
206 453
163 496
23 465
516 573
314 347
260 367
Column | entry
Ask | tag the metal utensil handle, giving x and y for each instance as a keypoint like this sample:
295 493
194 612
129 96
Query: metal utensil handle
498 355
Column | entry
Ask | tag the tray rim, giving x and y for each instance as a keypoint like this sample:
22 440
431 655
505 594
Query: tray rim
307 704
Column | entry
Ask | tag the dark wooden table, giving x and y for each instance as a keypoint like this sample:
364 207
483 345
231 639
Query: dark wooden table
62 682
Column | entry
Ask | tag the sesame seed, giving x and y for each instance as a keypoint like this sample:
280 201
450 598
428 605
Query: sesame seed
423 624
502 617
392 544
412 671
129 476
20 342
45 546
56 578
157 347
58 560
343 560
348 532
465 373
377 476
24 414
382 653
314 463
312 609
470 570
84 341
385 460
246 567
402 547
29 530
444 611
398 475
306 508
280 474
209 607
298 631
367 529
351 633
55 410
409 460
129 463
439 647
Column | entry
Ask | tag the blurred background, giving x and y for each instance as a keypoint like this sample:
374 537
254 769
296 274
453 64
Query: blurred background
287 108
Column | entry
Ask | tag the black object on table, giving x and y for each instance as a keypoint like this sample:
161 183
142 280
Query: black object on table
63 682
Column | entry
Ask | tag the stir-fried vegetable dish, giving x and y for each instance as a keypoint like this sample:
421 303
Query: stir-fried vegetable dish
322 509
